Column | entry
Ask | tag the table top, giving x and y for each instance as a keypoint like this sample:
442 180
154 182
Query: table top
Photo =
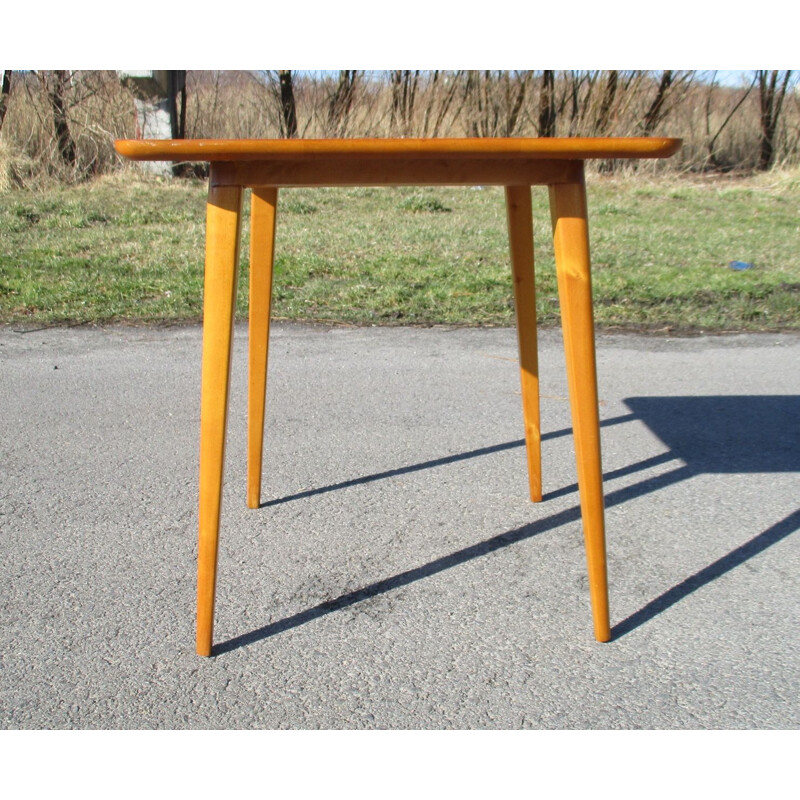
239 150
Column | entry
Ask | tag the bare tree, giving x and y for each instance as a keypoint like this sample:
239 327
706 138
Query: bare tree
280 85
671 87
607 103
771 91
4 93
584 87
523 81
576 81
56 86
404 84
793 139
176 88
547 104
494 101
341 101
441 92
288 107
478 96
711 143
655 113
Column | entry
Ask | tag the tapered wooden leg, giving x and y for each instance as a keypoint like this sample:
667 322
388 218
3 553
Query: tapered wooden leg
571 243
223 221
520 236
263 204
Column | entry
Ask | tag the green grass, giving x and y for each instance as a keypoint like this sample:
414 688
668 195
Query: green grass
130 249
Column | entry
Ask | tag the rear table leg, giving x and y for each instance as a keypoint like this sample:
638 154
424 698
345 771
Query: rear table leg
263 205
520 235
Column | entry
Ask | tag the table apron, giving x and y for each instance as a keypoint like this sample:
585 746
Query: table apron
397 172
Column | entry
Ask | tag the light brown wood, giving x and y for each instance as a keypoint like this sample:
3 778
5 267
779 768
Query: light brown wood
516 164
263 207
395 162
520 237
571 245
444 171
240 150
223 220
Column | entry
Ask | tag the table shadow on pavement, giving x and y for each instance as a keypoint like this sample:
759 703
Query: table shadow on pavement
708 435
722 434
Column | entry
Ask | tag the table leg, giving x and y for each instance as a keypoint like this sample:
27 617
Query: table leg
520 236
263 205
223 222
571 243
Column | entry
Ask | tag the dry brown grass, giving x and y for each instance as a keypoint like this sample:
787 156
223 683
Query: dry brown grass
99 110
235 104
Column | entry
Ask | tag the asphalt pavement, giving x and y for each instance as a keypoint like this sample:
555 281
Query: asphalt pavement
396 575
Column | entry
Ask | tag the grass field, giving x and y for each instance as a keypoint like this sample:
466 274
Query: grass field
127 248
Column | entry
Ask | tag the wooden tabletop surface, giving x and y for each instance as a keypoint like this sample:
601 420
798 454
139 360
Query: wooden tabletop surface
311 149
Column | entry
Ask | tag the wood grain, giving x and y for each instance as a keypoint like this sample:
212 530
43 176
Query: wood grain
223 221
571 245
263 207
520 236
465 148
516 164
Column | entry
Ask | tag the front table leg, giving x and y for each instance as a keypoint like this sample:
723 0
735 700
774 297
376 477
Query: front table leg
571 244
223 224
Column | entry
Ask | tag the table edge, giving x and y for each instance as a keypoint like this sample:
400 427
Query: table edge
574 148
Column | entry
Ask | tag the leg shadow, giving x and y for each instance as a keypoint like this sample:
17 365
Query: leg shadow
718 434
449 561
710 573
436 462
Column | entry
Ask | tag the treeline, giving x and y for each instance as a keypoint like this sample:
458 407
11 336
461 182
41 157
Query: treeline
62 123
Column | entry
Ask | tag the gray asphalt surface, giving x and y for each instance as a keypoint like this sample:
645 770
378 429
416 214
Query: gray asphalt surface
397 575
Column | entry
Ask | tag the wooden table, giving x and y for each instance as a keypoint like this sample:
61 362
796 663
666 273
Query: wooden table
517 164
